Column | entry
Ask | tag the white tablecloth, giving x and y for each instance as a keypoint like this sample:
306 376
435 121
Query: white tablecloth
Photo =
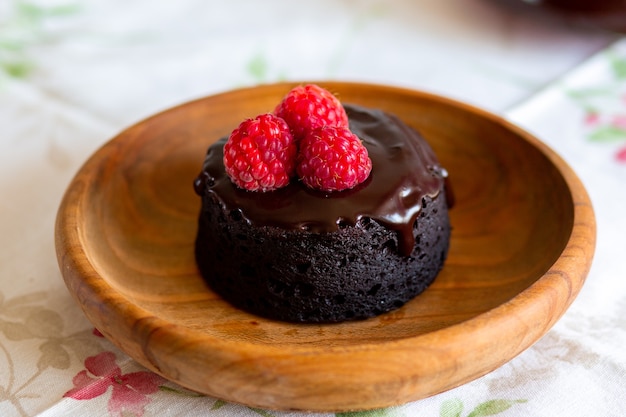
74 73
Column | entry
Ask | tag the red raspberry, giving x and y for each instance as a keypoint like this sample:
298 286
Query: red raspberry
260 154
333 159
309 107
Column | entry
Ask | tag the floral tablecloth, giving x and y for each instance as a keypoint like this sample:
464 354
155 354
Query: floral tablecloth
73 73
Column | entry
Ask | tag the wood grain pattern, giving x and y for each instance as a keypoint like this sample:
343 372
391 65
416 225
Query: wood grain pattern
522 243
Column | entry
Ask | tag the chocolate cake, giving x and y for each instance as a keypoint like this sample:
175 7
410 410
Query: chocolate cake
301 255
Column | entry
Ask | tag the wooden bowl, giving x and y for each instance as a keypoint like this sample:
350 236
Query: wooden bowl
522 243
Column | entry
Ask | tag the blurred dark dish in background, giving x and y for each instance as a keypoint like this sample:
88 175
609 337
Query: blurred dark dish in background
599 14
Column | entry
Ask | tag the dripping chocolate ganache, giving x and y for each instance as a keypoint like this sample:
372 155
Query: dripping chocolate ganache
302 255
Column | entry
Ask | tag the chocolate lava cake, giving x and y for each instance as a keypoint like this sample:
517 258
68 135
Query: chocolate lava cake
300 255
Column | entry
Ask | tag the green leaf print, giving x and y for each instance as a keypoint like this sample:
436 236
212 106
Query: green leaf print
381 412
451 408
182 392
22 29
17 69
454 408
618 65
218 404
584 94
261 412
33 11
221 403
257 67
492 407
608 134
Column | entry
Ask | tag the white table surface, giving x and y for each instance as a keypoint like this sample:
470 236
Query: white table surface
74 73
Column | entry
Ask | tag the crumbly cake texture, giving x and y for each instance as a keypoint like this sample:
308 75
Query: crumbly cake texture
353 273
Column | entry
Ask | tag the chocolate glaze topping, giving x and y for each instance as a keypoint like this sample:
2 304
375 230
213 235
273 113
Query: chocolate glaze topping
404 171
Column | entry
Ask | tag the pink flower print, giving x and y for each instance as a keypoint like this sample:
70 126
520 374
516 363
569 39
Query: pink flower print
591 118
621 155
619 121
130 391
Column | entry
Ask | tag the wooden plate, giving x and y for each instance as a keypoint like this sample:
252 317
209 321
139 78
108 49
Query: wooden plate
522 243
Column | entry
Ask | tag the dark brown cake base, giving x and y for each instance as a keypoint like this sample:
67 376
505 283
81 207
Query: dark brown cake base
353 273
